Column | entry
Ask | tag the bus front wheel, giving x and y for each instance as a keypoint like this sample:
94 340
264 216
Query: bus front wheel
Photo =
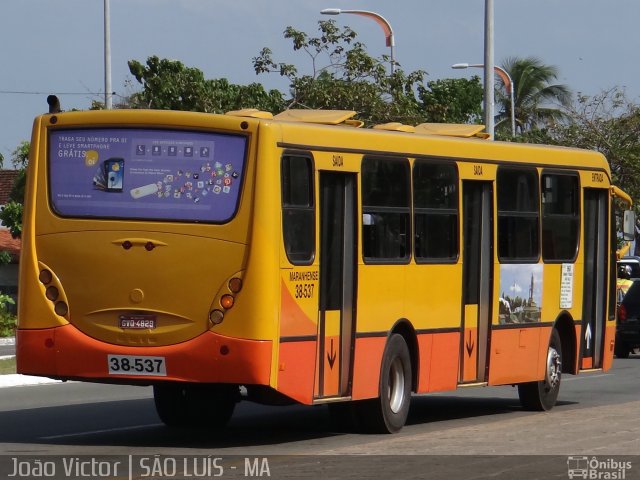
195 405
542 395
388 413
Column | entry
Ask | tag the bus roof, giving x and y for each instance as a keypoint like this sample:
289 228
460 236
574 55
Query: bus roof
436 140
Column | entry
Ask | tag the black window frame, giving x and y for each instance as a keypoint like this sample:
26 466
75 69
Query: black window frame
545 217
435 211
308 209
513 216
385 211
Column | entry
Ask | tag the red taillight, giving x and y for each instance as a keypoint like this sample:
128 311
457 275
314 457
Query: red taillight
227 301
622 313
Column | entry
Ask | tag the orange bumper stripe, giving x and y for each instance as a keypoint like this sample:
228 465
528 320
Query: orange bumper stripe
65 352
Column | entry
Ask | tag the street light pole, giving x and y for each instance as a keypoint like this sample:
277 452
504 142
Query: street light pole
488 67
508 84
379 19
108 100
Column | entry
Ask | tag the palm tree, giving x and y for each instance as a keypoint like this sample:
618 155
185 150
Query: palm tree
536 99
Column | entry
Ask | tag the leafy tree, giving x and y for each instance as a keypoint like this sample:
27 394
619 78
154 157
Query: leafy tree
11 213
7 319
536 98
11 216
453 100
20 156
170 85
608 123
344 76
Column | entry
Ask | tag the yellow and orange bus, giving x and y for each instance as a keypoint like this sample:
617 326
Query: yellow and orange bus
311 261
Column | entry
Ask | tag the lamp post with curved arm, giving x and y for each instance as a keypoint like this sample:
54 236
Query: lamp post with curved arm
379 19
508 84
108 99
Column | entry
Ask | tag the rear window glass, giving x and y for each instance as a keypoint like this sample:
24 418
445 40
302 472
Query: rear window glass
146 174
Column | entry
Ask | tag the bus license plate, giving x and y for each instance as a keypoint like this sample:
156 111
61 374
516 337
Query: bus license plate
137 322
132 365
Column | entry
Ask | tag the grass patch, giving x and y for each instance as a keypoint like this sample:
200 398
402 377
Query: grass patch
8 366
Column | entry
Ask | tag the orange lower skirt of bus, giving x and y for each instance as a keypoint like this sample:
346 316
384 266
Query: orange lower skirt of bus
66 353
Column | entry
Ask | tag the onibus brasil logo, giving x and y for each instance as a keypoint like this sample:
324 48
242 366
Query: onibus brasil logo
594 468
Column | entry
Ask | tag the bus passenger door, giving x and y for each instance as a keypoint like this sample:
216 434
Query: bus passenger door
594 294
337 284
477 278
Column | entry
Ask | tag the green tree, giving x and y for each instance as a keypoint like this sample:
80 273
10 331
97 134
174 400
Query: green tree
609 123
344 76
20 156
536 98
170 85
7 319
452 100
11 212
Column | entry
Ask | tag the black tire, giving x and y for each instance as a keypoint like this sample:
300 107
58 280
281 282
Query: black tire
388 412
203 406
542 395
621 350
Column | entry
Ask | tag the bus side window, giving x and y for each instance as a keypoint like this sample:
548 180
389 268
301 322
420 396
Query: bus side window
435 203
560 217
386 222
298 209
518 215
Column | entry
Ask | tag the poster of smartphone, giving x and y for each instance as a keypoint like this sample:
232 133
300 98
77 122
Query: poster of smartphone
114 174
153 174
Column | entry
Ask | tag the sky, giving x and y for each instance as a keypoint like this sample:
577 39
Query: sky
56 46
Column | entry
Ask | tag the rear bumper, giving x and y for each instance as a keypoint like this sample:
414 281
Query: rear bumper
66 353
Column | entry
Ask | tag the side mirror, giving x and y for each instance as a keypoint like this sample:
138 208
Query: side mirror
629 226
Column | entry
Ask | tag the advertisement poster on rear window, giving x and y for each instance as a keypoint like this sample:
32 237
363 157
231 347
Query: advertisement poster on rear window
146 174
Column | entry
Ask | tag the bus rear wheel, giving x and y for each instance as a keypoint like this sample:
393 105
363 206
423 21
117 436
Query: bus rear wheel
388 412
542 395
205 406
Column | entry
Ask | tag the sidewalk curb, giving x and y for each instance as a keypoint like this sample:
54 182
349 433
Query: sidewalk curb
17 380
8 341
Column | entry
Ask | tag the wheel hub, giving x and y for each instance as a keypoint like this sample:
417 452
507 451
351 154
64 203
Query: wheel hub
396 386
554 367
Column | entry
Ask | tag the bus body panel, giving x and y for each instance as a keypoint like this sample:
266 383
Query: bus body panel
366 380
106 284
444 362
516 346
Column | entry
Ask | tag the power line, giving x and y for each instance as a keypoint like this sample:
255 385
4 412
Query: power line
17 92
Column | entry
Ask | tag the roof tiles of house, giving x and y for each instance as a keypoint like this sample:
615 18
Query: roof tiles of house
10 244
7 179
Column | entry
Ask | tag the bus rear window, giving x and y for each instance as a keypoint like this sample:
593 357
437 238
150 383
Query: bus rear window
146 174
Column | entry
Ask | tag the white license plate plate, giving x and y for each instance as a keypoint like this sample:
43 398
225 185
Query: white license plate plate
133 365
137 322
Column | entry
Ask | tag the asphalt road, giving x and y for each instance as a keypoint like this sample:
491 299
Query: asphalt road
471 433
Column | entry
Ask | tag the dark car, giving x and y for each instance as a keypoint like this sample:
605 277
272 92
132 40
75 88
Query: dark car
628 323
